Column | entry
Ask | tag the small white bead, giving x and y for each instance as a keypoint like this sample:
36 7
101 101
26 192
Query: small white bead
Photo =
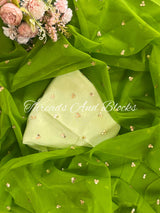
144 176
133 210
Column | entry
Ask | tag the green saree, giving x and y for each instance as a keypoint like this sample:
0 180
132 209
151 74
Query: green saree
116 45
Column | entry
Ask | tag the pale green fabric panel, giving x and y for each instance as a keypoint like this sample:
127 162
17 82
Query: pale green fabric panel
70 112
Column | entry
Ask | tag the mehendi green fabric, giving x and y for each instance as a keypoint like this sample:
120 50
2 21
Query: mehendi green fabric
121 174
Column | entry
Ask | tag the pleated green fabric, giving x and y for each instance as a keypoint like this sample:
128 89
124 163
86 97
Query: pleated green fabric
116 45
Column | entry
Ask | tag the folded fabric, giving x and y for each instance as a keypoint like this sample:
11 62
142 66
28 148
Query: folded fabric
70 113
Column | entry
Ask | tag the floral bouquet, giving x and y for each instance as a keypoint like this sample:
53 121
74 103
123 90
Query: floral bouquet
27 19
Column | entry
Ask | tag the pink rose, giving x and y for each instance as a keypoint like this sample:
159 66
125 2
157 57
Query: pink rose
61 5
24 30
2 2
11 14
37 8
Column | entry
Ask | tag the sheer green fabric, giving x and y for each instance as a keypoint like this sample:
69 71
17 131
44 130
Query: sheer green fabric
120 174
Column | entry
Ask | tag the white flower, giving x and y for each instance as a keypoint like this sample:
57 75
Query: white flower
67 16
61 5
10 32
22 40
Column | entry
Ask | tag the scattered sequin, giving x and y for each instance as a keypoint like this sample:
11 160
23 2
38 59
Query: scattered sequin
144 176
7 61
29 63
99 34
73 95
58 206
122 52
80 164
148 56
96 181
158 202
66 45
123 23
78 115
133 210
106 163
100 115
72 147
73 179
39 184
1 88
132 128
48 171
133 164
143 4
8 185
38 136
104 132
33 117
93 63
56 116
130 78
8 208
63 135
108 67
150 146
82 202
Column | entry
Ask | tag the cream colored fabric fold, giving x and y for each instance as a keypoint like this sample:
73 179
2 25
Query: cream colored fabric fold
70 113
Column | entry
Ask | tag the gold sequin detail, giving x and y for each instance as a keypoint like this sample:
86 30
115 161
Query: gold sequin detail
82 202
7 61
73 95
66 45
1 88
38 136
96 181
104 132
78 115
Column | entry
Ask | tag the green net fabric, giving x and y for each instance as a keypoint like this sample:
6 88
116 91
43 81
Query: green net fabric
116 45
